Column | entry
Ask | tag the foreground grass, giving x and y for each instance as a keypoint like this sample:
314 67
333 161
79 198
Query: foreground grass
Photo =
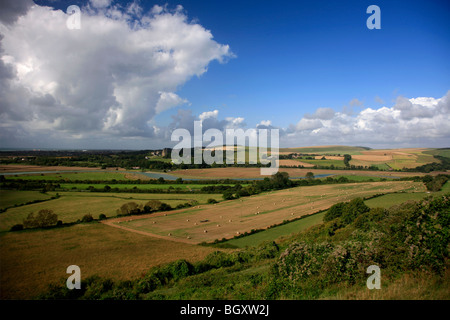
30 260
419 285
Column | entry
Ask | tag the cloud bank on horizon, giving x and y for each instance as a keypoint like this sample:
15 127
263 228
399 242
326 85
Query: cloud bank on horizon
103 85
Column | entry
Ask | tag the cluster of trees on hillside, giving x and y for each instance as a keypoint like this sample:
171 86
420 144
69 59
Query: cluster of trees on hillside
132 208
435 183
278 181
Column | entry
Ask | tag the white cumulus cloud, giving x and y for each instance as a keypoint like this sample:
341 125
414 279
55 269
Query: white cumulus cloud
419 122
108 78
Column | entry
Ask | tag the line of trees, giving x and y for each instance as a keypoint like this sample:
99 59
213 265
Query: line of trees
160 180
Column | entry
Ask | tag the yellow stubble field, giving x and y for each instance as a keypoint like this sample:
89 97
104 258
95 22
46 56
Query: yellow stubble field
206 223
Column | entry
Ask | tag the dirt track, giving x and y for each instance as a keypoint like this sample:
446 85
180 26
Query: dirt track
115 225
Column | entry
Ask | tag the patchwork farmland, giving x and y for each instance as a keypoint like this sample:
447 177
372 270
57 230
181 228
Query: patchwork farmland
126 247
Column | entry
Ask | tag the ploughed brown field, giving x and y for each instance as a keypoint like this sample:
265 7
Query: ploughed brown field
230 218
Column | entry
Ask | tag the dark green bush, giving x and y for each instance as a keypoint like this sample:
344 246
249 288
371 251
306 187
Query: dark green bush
334 212
17 227
44 218
159 276
267 250
165 207
352 209
228 195
87 218
214 260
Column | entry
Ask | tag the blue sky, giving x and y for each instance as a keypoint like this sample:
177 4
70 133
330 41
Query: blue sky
287 59
296 56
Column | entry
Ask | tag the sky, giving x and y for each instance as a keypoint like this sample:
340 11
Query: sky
127 73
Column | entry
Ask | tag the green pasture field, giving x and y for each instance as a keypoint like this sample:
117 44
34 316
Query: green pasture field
439 152
277 232
389 200
72 206
11 198
159 158
103 176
